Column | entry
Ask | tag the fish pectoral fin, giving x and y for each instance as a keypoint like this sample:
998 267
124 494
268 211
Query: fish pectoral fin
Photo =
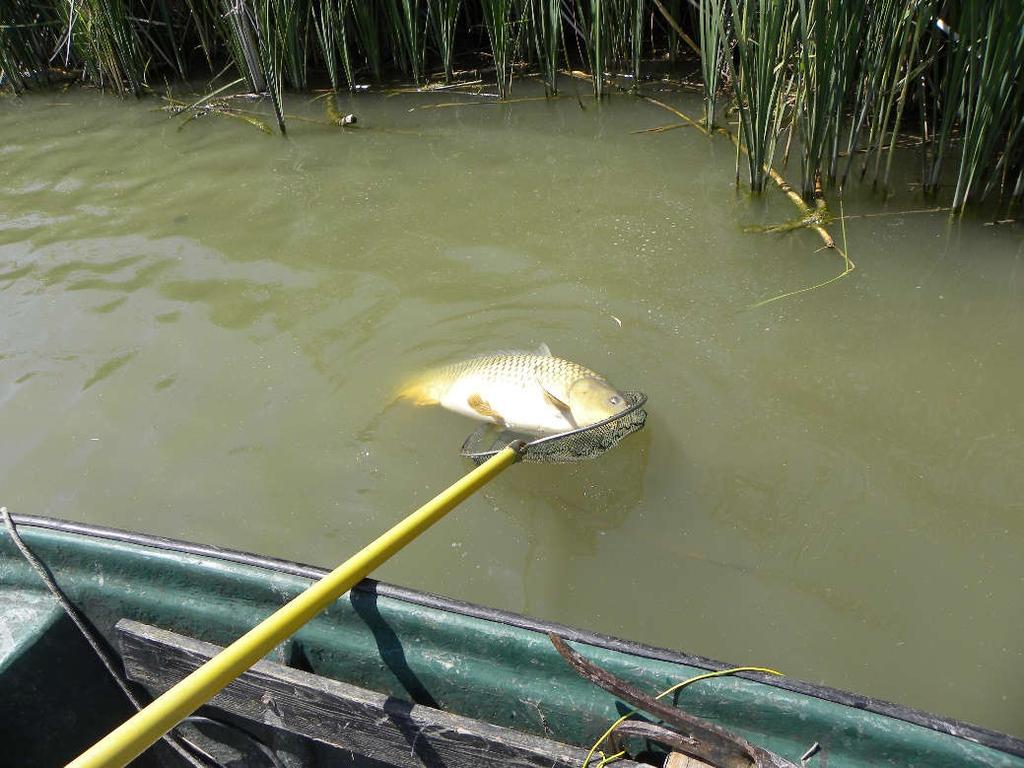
484 408
544 350
562 406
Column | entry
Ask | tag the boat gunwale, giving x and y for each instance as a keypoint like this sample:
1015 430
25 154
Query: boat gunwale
986 737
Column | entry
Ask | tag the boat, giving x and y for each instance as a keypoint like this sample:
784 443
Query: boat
390 676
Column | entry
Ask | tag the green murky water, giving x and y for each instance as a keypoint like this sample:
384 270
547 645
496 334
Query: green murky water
202 329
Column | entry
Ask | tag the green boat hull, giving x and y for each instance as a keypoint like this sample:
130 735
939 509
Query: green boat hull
487 665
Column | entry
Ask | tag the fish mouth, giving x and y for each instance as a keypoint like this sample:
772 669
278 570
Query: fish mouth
584 422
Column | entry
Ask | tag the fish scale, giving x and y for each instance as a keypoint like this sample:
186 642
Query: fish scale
532 391
524 367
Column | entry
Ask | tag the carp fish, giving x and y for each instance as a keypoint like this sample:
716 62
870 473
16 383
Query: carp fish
532 392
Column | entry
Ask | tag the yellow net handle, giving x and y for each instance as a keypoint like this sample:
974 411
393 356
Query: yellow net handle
131 738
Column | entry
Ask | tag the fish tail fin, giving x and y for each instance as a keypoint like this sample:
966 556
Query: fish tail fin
419 391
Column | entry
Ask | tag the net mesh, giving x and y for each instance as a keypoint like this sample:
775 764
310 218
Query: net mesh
577 445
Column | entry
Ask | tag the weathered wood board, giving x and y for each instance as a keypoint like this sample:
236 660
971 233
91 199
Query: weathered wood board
330 712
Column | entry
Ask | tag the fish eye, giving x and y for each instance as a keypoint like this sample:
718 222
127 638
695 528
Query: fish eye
614 399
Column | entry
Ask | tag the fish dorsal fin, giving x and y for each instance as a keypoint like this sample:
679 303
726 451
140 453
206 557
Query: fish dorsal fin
544 350
560 404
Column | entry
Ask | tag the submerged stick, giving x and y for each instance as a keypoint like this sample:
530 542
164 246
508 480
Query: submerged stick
675 27
434 87
811 218
775 176
689 121
661 128
494 100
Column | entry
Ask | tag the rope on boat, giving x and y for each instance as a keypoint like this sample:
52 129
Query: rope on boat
692 735
180 744
605 759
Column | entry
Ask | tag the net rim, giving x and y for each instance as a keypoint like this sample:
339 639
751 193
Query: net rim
636 402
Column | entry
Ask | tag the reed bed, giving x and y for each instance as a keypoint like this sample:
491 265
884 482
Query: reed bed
838 84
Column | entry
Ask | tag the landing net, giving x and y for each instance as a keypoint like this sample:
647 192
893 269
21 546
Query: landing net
576 445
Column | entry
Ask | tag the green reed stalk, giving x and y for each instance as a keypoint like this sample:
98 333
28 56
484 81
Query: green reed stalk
846 37
829 38
325 24
547 26
497 19
596 30
368 34
598 39
637 38
10 68
618 20
100 36
711 20
25 32
329 22
888 64
674 9
341 36
760 64
158 37
204 20
291 37
240 36
1011 162
404 19
444 17
992 91
907 70
270 56
949 56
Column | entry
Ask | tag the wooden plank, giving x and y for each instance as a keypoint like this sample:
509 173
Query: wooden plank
679 760
364 722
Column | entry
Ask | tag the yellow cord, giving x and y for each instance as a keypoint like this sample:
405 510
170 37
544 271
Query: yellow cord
607 759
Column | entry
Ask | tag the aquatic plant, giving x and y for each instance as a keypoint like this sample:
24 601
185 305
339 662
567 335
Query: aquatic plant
501 31
623 21
332 35
838 84
635 19
405 19
547 27
595 32
271 50
888 64
22 47
762 38
100 35
368 32
826 67
979 90
711 20
444 16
